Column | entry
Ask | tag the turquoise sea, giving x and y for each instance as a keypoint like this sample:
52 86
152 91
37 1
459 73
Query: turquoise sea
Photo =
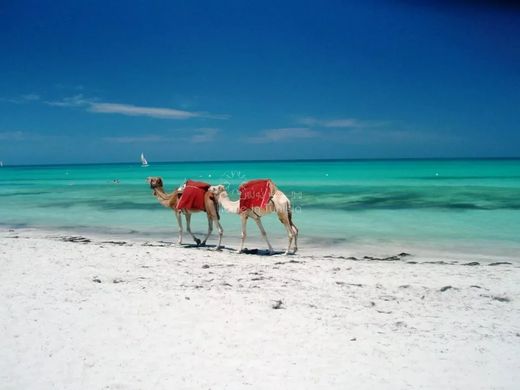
469 204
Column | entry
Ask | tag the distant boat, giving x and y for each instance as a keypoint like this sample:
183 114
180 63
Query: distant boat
144 163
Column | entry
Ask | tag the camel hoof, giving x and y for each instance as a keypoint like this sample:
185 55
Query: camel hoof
197 241
203 243
295 250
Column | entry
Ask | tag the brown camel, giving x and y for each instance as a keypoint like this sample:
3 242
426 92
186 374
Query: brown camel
278 202
171 200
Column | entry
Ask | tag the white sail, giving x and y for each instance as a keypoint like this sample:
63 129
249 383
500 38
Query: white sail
144 163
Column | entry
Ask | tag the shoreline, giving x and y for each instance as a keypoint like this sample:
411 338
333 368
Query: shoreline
308 246
107 314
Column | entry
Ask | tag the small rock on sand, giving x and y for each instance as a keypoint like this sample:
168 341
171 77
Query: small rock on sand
277 304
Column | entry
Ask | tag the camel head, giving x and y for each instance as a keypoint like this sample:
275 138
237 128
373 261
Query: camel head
154 182
217 190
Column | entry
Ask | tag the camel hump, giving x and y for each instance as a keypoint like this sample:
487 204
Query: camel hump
256 193
199 184
193 196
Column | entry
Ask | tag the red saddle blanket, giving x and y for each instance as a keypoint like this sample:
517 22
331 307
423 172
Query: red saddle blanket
192 197
255 193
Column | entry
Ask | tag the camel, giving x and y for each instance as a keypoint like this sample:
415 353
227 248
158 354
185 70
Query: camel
278 202
171 200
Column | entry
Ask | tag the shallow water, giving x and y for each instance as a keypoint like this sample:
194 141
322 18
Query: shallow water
434 203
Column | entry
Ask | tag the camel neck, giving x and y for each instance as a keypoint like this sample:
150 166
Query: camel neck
229 205
162 196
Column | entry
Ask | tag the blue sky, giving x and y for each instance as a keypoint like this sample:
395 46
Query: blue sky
98 81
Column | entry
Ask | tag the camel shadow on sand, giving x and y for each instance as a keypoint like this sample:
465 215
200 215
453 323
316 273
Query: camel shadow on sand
246 251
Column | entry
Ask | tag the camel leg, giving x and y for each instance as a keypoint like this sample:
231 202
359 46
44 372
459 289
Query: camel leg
290 236
243 219
220 233
179 222
210 229
285 220
264 234
295 231
188 228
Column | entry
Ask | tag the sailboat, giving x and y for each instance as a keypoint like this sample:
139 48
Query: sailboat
144 163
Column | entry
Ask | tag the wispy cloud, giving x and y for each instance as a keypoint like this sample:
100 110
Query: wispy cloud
93 105
387 136
150 138
72 101
204 136
28 136
27 98
283 134
12 136
31 97
131 110
352 123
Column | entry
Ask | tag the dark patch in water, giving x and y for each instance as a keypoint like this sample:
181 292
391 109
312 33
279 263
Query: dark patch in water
16 194
447 198
101 204
441 177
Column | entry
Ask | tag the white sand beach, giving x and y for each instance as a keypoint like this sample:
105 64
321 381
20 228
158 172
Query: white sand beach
94 314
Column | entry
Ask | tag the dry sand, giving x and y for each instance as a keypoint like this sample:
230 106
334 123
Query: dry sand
135 315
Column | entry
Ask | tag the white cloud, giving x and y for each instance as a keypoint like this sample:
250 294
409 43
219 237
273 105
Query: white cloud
93 105
131 110
283 134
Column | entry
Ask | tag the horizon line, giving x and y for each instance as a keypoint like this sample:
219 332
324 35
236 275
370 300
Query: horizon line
267 160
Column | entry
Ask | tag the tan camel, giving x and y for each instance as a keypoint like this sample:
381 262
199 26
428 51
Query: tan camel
170 201
278 203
